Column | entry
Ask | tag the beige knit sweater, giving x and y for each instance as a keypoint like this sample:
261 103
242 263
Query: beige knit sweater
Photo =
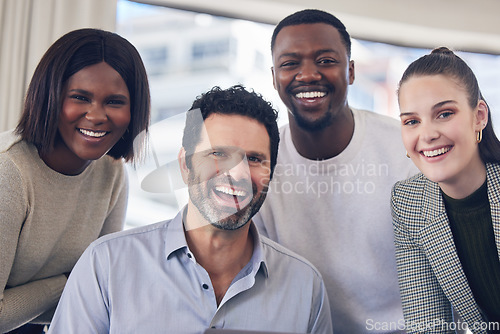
47 219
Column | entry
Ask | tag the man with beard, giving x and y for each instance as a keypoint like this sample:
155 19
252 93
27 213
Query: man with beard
208 267
330 196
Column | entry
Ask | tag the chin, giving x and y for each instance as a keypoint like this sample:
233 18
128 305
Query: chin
437 177
314 125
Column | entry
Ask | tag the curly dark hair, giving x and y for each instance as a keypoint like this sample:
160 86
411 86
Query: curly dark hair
235 100
311 16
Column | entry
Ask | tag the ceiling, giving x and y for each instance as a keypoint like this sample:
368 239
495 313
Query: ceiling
465 25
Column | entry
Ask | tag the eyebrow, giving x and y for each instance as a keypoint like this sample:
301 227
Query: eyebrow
80 91
319 52
434 107
85 92
440 104
327 51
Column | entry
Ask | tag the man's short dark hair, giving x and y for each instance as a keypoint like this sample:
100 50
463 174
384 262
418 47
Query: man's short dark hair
310 16
235 100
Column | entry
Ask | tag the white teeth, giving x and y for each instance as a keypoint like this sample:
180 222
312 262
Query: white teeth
309 95
92 133
436 152
229 191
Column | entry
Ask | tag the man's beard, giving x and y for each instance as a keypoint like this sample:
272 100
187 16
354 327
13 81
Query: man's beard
229 219
311 126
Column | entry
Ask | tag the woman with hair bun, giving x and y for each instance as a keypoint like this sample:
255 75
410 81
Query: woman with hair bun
447 218
62 177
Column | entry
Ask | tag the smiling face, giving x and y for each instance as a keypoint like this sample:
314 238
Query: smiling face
439 130
311 72
95 114
230 170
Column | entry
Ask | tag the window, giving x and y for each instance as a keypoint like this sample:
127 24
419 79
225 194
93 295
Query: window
187 53
210 49
155 59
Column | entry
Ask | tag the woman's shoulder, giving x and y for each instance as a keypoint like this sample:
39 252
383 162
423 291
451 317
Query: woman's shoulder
14 154
107 164
408 198
493 175
411 186
12 161
109 168
8 139
493 167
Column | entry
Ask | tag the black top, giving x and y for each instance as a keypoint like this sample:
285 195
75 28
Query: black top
472 228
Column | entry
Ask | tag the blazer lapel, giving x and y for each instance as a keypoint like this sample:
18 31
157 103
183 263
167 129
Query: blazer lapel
493 180
437 240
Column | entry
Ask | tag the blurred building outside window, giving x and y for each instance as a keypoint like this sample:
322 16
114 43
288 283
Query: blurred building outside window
187 53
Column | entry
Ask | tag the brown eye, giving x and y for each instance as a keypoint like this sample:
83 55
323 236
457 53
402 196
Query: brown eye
289 64
79 98
253 159
116 102
327 61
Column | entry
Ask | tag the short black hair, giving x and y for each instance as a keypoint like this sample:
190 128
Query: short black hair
235 100
311 16
68 55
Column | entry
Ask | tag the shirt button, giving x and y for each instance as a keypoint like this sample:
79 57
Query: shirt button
205 286
189 255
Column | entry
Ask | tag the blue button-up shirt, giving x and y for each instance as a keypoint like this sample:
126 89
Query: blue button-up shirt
146 280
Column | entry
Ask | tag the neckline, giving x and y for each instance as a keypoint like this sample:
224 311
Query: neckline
51 174
478 199
346 155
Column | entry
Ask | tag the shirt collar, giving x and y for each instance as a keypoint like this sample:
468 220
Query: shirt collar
258 259
175 240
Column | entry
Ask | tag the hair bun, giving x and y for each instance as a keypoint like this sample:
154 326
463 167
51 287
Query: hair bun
443 50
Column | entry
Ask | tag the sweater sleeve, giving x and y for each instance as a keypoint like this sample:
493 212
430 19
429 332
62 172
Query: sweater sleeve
116 218
20 304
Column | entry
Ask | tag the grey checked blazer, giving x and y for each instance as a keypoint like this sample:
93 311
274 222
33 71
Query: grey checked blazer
431 278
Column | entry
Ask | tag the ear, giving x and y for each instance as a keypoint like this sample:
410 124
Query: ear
481 116
351 72
274 80
181 158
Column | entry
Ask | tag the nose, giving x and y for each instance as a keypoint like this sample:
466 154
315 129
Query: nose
96 114
428 133
308 72
240 171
